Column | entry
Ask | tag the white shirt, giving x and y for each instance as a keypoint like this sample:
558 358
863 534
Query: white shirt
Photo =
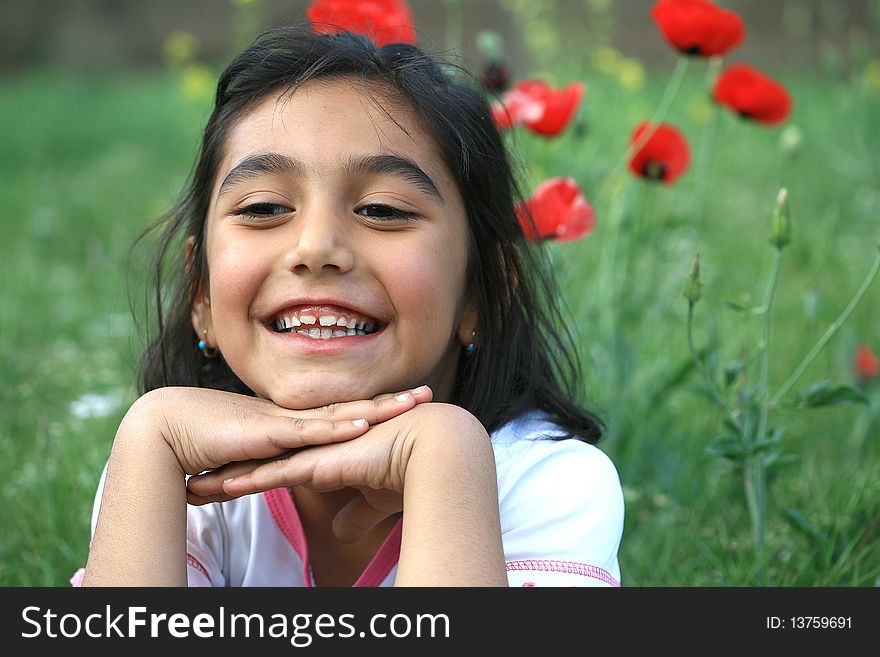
560 502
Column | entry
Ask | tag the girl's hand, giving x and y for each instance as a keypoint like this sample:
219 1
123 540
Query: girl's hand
374 463
207 429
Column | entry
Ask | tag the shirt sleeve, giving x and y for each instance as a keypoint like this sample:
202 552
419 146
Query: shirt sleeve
205 540
77 577
562 514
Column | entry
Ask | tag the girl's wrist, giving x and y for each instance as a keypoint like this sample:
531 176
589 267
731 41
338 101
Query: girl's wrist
453 441
144 431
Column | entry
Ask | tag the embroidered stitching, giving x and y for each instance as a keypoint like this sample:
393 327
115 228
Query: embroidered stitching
192 561
573 567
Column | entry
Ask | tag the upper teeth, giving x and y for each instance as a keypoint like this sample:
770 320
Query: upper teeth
293 318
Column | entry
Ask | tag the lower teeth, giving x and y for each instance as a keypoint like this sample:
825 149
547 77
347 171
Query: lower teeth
329 334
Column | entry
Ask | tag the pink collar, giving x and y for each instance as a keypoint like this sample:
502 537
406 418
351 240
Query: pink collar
286 517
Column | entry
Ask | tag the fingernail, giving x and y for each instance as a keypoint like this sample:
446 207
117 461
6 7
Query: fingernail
226 481
359 423
416 391
402 396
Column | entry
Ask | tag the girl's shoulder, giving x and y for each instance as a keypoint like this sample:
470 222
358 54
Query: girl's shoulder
561 505
533 447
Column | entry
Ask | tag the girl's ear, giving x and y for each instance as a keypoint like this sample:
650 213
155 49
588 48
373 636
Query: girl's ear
201 309
468 326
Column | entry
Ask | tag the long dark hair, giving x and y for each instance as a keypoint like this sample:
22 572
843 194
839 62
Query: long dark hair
526 357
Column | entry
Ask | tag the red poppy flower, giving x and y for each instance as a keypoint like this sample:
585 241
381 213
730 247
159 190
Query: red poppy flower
752 94
541 109
866 364
662 154
557 210
384 21
698 27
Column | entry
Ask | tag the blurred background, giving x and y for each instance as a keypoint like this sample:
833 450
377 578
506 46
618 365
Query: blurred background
101 107
105 35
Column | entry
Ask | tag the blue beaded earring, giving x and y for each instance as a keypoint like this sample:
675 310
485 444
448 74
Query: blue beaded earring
207 352
471 347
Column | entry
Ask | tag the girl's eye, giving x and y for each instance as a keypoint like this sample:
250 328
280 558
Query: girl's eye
382 212
261 210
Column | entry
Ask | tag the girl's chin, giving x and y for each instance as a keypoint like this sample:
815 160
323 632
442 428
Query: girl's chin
305 399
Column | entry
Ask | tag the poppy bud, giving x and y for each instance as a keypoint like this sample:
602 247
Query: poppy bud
791 139
780 228
495 78
692 285
866 365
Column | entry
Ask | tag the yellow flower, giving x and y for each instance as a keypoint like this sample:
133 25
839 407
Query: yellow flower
699 109
197 83
872 75
631 74
180 47
605 60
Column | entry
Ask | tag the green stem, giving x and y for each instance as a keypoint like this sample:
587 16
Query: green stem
829 333
663 108
710 383
705 169
612 185
669 94
608 257
765 347
753 478
757 478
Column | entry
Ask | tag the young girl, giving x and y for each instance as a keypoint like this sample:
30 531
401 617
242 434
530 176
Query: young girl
360 379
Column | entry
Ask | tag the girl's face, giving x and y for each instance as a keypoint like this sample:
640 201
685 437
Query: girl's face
336 249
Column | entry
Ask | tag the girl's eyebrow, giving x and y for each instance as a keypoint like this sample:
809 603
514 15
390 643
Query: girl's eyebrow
386 164
398 167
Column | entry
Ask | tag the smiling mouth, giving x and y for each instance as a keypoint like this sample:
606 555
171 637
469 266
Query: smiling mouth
324 323
328 333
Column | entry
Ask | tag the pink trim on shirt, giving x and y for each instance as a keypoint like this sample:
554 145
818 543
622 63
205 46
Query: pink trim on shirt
573 567
77 578
195 563
287 518
284 513
384 560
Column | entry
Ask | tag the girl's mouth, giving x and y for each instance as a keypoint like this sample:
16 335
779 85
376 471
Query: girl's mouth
326 333
324 324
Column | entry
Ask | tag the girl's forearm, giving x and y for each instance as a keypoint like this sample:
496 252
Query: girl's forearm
140 537
451 527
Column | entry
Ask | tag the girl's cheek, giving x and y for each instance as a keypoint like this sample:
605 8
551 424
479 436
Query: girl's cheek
234 275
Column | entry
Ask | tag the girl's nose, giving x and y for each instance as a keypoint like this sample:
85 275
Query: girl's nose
319 243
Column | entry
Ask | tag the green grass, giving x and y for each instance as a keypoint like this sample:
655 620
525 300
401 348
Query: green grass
87 163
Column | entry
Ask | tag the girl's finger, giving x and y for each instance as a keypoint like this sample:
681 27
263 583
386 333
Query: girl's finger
291 471
377 410
356 519
419 393
199 500
273 437
211 483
